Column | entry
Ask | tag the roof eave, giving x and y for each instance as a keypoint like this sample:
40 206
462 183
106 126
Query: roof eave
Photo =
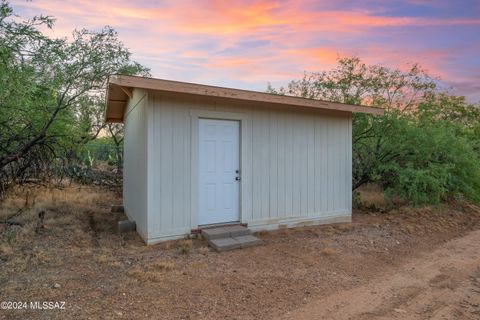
125 83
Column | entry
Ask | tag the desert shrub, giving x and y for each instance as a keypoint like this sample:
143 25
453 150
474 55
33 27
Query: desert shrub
433 161
184 247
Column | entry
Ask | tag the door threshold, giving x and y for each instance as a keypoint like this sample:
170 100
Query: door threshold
217 225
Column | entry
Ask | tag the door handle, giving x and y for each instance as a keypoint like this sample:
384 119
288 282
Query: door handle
237 178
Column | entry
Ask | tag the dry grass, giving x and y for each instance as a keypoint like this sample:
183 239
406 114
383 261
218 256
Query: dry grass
184 247
372 197
69 214
153 272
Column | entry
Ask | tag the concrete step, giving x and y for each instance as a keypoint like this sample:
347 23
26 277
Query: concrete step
225 232
224 238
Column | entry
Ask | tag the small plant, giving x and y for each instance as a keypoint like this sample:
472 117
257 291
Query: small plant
10 236
111 160
89 160
185 247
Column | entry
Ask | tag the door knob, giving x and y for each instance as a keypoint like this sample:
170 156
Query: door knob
237 178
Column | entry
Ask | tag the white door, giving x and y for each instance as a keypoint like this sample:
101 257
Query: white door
219 171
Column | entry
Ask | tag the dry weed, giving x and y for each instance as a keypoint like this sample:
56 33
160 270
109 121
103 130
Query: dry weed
371 196
162 265
154 272
185 246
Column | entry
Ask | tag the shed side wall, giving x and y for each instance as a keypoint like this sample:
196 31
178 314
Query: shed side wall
135 161
296 164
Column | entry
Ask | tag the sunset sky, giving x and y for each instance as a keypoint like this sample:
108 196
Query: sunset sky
246 44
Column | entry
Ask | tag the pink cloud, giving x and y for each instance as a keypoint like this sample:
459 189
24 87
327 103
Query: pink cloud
254 42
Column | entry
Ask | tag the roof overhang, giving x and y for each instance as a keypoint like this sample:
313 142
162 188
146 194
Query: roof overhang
120 87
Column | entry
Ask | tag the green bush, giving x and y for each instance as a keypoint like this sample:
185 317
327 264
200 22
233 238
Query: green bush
434 161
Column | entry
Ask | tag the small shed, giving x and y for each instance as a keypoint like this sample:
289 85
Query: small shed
198 155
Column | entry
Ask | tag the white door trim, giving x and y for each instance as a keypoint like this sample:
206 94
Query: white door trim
219 165
245 160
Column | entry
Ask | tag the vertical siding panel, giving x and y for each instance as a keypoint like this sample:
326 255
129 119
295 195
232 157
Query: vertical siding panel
187 136
154 167
179 168
324 153
335 162
166 163
256 169
247 204
329 150
341 165
273 176
303 130
323 163
340 159
281 211
332 143
317 166
297 156
265 163
288 164
273 162
311 165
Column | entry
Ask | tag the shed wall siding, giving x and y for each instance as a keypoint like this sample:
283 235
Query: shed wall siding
296 164
135 162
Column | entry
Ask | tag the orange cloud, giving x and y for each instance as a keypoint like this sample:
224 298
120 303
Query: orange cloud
253 42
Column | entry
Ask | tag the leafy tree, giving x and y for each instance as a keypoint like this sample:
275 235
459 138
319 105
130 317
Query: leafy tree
354 82
51 90
425 148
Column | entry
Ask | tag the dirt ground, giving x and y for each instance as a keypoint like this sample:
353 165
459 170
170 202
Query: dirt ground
406 263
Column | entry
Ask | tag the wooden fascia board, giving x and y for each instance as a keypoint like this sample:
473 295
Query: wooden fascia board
237 94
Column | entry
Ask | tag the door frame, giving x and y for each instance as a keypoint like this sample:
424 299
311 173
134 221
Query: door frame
245 141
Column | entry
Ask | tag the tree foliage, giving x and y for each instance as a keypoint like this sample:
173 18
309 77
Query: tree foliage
51 91
425 148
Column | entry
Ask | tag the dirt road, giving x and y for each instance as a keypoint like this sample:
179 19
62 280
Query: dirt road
444 284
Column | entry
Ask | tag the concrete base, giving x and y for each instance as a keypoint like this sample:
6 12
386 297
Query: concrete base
126 226
255 226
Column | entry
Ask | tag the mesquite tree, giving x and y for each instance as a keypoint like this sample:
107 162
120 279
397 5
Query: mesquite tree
51 91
